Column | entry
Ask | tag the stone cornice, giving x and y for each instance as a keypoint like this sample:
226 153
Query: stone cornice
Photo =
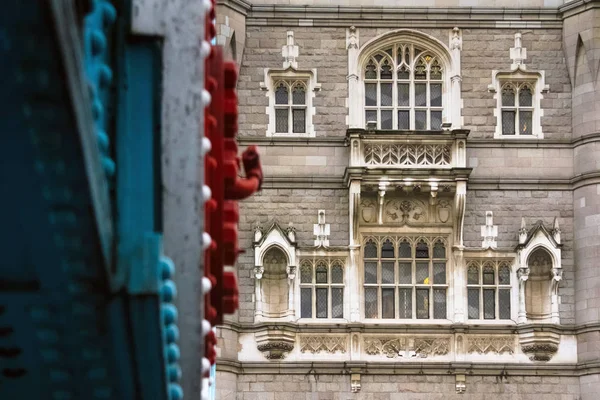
336 141
429 368
373 16
396 328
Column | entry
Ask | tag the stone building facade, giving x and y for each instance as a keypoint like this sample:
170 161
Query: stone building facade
429 222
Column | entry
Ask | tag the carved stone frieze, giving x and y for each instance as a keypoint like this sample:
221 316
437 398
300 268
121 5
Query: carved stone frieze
404 346
492 344
405 212
416 155
325 344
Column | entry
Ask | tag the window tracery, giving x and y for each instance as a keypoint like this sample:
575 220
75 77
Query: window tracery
322 289
489 290
406 94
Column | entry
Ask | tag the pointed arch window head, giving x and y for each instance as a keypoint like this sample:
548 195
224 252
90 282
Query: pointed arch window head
517 109
290 107
406 94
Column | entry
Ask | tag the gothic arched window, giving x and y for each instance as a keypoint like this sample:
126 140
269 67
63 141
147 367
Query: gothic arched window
403 88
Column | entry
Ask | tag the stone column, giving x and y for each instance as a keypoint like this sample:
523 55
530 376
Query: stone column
455 79
581 46
352 270
354 118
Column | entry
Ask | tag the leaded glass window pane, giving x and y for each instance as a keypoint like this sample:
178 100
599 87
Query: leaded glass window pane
387 272
420 72
439 250
370 302
405 273
299 95
306 302
403 119
508 122
387 303
299 120
435 71
422 250
337 274
422 303
370 250
525 97
370 70
386 119
422 273
403 73
525 122
386 94
337 303
403 94
371 116
489 303
436 120
473 300
386 70
321 274
508 97
306 274
420 120
321 302
405 307
281 94
504 303
488 275
439 303
420 94
387 249
370 272
439 273
473 275
370 94
504 275
435 90
281 120
404 250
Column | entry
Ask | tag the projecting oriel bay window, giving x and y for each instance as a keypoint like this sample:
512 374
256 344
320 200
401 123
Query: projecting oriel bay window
405 278
403 89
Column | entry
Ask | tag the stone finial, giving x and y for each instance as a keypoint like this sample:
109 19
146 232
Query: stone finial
489 232
290 231
258 232
456 41
355 385
518 54
556 231
290 52
351 38
522 232
321 231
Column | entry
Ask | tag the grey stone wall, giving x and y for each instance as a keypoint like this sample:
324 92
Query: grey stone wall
401 387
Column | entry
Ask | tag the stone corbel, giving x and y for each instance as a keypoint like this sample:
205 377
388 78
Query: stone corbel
382 188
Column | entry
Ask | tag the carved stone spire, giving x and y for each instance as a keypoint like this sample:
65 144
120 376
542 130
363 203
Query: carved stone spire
290 52
518 54
522 232
556 231
489 232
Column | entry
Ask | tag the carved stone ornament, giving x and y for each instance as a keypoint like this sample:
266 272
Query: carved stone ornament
352 38
323 344
291 232
368 209
258 272
417 155
491 344
258 232
444 211
456 42
407 347
409 212
540 352
275 350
